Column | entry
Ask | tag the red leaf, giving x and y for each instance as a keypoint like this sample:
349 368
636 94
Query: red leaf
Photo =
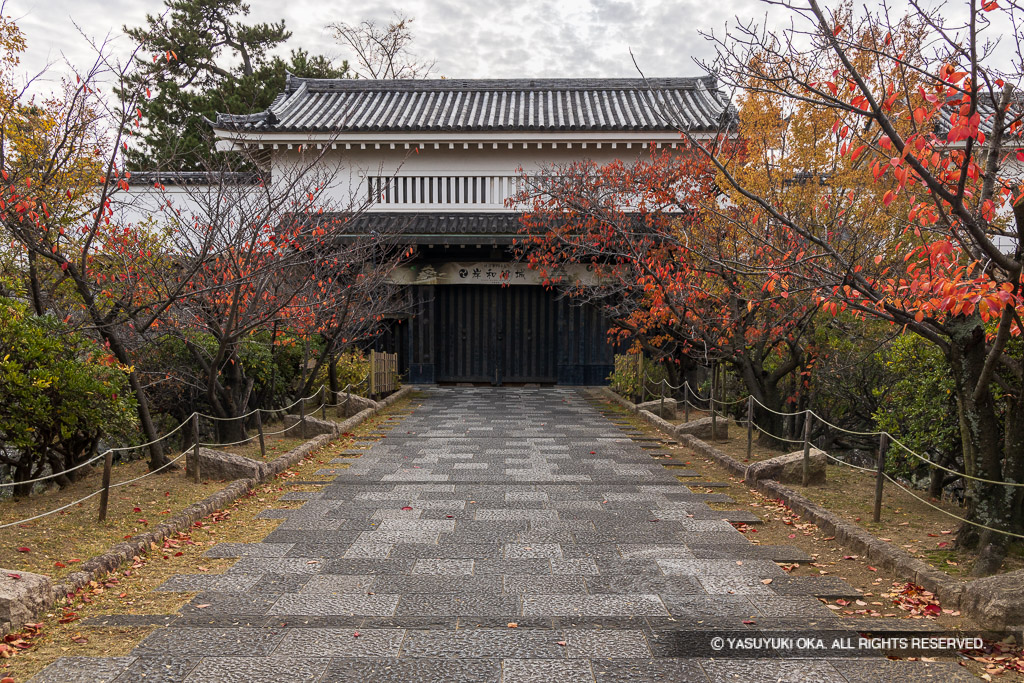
23 549
407 508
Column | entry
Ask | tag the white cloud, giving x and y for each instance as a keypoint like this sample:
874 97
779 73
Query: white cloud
469 38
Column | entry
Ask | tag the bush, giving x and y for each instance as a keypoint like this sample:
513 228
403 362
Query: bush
59 395
351 367
917 405
625 379
178 381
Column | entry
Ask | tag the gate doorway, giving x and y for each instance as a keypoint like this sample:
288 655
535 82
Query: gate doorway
494 334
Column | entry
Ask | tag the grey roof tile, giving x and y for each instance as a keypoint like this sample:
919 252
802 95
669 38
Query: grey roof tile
455 105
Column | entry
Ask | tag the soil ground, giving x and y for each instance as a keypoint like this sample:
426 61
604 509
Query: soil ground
906 522
129 590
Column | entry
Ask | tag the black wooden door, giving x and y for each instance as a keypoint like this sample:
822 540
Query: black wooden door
488 333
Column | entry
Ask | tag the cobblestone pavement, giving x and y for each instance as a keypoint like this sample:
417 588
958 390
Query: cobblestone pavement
484 509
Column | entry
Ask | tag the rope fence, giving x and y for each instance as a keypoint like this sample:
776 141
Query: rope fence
885 441
193 419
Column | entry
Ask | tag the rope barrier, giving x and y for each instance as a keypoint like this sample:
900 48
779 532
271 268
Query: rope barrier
842 429
869 470
323 402
122 449
779 438
896 441
233 443
946 512
951 471
807 413
874 472
730 403
151 472
229 419
57 474
282 431
51 512
154 441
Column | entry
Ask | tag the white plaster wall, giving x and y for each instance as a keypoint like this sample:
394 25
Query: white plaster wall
345 170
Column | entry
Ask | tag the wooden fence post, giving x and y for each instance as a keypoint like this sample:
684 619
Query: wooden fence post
711 406
323 402
686 400
662 414
807 448
195 447
750 425
108 462
259 430
883 446
640 376
372 375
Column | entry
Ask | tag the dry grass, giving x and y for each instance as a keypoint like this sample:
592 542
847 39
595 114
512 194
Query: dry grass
129 590
905 522
55 545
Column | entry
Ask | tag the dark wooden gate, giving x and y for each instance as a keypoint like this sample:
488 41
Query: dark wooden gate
488 333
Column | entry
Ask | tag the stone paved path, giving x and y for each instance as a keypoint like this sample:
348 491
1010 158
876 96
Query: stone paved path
487 507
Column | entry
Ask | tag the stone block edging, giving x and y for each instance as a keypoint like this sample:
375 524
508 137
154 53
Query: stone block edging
948 589
96 567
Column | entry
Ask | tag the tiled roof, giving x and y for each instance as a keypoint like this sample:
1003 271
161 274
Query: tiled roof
432 223
195 178
453 105
987 111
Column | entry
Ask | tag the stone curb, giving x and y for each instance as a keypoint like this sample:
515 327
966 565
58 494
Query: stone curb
949 590
96 567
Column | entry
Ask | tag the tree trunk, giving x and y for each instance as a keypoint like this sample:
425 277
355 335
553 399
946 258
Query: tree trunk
987 447
227 398
767 405
332 377
936 480
157 459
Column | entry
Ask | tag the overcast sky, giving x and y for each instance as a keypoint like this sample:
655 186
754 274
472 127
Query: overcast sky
468 38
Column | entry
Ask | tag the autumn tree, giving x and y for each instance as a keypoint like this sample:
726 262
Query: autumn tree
271 256
62 168
383 51
920 103
218 63
669 272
